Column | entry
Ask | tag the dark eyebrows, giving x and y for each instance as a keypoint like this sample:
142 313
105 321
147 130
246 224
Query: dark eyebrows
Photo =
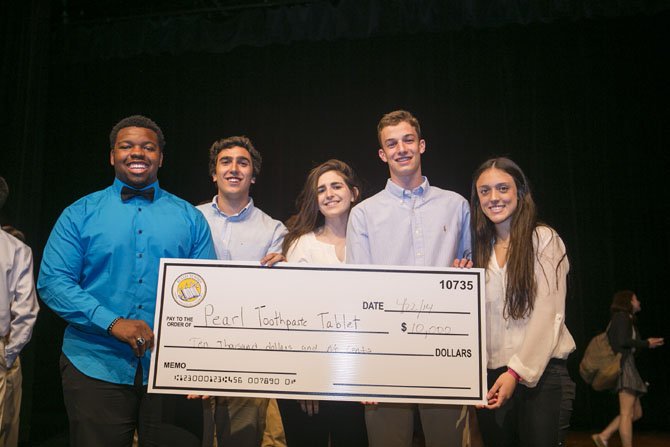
239 158
132 143
404 137
323 185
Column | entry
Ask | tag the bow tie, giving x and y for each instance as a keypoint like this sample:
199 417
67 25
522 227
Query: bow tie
129 193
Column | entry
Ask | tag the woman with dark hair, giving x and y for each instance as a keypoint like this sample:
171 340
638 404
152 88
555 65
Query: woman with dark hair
527 341
316 234
624 338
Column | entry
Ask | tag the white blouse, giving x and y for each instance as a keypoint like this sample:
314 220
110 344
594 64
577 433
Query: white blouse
527 345
307 248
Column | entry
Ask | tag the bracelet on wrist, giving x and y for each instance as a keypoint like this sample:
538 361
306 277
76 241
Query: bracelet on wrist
111 325
514 374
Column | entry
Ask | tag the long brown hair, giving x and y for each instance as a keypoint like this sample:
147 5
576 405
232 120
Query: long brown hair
521 285
308 217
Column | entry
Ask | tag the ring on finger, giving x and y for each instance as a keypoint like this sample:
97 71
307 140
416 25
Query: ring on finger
140 341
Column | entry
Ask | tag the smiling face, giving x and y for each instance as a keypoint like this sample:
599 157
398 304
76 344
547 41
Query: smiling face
136 156
234 173
401 150
497 193
333 195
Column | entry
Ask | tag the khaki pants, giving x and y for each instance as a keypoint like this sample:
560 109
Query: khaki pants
242 422
10 401
392 425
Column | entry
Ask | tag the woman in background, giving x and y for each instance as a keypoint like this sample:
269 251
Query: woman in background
316 234
527 340
624 338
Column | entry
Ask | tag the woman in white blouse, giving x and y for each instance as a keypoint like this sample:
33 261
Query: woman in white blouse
527 341
317 235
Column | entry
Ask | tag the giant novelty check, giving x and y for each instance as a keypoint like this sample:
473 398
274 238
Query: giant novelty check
364 333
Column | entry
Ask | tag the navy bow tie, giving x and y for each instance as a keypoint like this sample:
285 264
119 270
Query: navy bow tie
129 193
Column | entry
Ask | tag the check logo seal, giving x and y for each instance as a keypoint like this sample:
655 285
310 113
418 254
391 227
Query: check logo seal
189 289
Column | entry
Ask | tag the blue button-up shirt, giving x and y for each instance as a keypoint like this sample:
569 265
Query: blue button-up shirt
246 236
427 226
101 262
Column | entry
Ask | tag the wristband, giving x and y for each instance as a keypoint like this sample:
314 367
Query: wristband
111 325
514 374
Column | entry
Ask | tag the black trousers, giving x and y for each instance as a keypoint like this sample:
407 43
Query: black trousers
532 417
104 414
338 424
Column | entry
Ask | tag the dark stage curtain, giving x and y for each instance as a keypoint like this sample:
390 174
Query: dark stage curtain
223 28
580 100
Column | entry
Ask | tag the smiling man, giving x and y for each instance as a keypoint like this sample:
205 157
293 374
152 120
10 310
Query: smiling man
241 232
410 222
99 273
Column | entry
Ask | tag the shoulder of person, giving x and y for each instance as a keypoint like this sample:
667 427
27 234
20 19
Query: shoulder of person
187 210
621 317
262 215
204 207
379 197
438 192
10 240
88 203
545 237
295 251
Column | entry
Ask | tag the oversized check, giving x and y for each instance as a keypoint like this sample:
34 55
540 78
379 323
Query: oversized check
387 334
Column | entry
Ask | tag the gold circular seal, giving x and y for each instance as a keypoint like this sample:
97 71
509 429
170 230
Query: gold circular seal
189 289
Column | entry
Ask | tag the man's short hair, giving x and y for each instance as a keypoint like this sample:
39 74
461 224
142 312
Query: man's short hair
227 143
396 117
136 121
4 192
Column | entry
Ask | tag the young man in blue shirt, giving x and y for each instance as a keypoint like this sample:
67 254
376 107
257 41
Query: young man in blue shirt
410 222
99 272
241 232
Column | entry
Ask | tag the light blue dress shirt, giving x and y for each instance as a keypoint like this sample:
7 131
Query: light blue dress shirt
427 226
246 236
101 262
18 300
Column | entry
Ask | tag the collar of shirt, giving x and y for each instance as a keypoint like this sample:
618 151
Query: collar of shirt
402 193
118 185
243 214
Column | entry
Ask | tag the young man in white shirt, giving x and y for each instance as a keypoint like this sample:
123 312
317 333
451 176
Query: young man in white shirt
241 232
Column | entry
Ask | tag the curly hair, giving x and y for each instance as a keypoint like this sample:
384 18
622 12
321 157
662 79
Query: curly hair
236 141
137 121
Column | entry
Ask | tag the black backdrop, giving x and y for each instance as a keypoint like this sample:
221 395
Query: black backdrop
580 102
